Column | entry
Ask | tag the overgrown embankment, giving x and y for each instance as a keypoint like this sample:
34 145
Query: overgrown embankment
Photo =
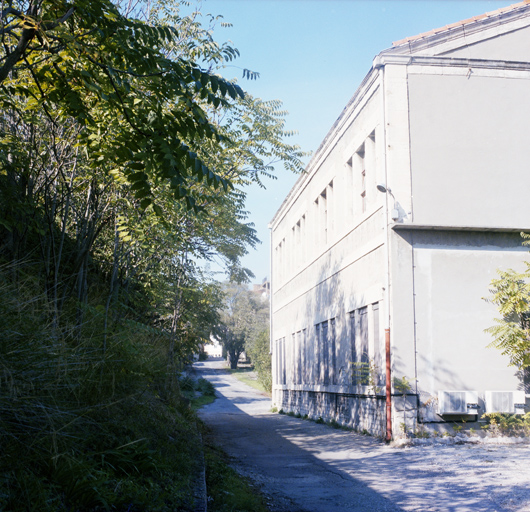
86 427
82 427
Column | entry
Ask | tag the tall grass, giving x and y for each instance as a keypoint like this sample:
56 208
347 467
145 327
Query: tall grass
82 428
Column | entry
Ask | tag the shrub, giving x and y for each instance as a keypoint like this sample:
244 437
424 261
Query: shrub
205 387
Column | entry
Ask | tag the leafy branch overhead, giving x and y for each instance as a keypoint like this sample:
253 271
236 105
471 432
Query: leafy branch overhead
144 113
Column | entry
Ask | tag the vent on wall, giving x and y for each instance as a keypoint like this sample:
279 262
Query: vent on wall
512 402
457 402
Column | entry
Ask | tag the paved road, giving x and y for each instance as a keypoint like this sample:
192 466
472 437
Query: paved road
306 467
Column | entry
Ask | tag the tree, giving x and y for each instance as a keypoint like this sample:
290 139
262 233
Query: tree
142 112
511 334
258 348
244 322
234 324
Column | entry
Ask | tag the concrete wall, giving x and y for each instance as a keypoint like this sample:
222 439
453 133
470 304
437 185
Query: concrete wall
330 263
511 46
469 148
452 272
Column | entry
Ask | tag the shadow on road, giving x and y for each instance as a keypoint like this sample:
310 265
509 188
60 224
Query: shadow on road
279 452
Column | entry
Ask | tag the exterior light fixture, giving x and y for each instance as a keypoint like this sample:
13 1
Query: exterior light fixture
394 213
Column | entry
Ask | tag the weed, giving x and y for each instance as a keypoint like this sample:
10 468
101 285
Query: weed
187 383
366 374
507 424
205 387
422 433
320 420
274 409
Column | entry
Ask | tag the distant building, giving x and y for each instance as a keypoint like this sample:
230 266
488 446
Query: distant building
264 289
441 123
214 349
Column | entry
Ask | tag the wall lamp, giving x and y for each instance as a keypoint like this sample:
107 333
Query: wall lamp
394 213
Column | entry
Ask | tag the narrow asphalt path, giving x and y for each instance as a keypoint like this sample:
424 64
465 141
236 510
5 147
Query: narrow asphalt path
307 467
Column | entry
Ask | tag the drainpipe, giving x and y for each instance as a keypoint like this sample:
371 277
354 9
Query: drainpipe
388 361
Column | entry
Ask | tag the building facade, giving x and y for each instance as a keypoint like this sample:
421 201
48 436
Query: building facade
383 250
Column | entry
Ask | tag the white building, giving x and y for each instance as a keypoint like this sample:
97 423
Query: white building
442 120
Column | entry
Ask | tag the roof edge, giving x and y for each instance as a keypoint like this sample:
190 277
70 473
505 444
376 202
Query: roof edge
461 28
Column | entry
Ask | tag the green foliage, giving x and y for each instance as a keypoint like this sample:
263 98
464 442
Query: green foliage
258 348
142 112
402 385
511 334
366 374
83 430
498 424
205 387
242 318
457 428
123 157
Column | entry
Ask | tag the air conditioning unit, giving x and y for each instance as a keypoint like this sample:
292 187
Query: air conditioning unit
457 402
512 402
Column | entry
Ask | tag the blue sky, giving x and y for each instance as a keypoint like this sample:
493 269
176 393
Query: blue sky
312 55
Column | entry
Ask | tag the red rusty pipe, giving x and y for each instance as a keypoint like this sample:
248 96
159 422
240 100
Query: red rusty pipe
388 389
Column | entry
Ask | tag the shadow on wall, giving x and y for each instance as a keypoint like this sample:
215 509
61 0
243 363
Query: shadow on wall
318 381
440 372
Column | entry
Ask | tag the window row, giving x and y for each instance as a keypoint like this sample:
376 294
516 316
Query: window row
328 356
331 213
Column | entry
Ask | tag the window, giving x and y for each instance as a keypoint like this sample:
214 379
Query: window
361 153
316 376
284 362
325 356
377 344
323 203
292 360
280 361
363 331
324 368
332 353
303 359
298 355
361 169
359 344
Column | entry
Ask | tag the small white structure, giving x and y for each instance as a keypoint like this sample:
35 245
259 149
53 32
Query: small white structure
414 199
214 348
